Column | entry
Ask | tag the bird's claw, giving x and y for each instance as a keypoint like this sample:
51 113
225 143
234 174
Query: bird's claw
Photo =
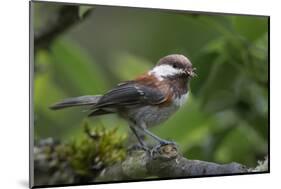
166 142
162 148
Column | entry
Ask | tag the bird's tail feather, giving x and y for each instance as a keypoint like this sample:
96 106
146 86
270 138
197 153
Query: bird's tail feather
76 101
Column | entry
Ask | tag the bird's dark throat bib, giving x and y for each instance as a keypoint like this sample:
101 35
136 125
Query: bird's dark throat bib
178 83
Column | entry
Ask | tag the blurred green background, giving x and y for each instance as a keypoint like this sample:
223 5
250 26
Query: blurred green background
226 116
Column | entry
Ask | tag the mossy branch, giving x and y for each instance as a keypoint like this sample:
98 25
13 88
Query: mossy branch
167 162
101 156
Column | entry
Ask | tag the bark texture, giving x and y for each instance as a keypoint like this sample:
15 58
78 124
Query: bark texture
165 162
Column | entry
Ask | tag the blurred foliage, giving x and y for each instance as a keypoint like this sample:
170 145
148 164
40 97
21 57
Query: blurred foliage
226 116
84 10
80 160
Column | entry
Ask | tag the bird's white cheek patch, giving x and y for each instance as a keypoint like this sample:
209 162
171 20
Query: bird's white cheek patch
180 101
164 71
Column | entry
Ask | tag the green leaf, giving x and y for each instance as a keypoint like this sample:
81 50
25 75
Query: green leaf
74 70
128 66
84 10
250 27
241 145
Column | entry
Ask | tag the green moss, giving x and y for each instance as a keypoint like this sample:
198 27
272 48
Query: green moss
79 160
100 148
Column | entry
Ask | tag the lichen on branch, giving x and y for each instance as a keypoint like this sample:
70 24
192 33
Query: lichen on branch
101 156
165 162
80 160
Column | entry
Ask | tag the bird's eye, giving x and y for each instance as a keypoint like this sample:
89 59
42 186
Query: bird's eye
175 66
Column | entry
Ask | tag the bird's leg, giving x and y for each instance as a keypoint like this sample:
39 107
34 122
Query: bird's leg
158 139
159 146
141 141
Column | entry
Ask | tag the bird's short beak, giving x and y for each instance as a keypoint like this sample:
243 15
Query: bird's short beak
191 72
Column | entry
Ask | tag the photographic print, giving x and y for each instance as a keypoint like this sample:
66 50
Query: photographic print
122 94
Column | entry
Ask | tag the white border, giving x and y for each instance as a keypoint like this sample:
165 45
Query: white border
14 92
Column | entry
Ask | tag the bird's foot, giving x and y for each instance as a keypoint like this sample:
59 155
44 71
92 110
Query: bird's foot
166 142
165 149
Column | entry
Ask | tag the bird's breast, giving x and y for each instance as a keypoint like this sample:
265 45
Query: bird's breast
152 115
176 94
181 99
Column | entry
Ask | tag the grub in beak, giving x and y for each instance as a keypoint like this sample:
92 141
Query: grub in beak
191 72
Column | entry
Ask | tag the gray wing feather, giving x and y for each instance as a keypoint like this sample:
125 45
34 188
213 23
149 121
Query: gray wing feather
77 101
130 94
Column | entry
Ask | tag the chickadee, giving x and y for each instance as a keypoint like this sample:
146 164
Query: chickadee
147 101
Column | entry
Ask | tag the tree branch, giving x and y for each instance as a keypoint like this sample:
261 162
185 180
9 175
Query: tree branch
101 157
59 21
165 162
